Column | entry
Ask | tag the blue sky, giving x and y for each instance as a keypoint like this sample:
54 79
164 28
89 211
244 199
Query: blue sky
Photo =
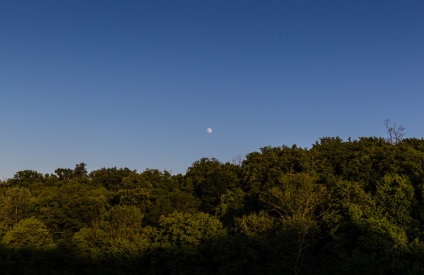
136 83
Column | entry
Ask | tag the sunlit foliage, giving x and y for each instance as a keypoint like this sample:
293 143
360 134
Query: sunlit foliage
339 207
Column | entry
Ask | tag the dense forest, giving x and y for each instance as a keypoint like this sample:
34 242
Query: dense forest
339 207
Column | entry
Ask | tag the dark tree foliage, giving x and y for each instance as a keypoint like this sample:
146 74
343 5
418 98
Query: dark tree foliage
339 207
110 178
210 179
26 177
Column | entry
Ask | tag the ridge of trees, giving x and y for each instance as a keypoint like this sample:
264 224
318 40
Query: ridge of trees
339 207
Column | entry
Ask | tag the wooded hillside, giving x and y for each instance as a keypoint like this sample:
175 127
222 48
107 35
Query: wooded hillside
339 207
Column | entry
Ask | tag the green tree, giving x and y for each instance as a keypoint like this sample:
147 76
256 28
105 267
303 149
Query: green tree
210 180
29 233
141 197
231 204
379 247
26 177
185 229
120 220
262 170
163 181
80 170
167 203
110 178
119 235
16 204
90 243
134 181
298 202
70 207
255 225
394 198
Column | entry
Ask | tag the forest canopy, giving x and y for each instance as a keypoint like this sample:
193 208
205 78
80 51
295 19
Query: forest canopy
339 207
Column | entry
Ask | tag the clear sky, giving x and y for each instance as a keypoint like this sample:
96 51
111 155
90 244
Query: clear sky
137 83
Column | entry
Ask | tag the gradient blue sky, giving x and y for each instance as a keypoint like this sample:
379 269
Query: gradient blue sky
136 83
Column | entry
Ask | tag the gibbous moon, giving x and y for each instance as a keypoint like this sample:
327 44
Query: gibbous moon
209 130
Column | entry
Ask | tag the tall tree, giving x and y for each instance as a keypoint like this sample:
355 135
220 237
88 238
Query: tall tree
298 202
17 203
210 180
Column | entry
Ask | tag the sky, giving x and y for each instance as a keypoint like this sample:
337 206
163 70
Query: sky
137 83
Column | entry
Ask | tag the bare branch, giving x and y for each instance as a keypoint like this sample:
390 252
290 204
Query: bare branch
395 134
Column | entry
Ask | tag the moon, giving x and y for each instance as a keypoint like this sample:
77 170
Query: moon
209 130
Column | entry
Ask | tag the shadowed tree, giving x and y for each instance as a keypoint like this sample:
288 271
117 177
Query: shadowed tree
70 207
210 180
255 225
298 202
119 235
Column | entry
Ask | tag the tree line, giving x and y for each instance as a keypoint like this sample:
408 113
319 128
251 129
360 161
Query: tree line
339 207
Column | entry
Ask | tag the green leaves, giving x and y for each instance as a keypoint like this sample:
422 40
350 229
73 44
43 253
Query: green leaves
210 180
394 197
16 204
340 207
296 195
72 206
29 233
184 229
255 225
118 235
